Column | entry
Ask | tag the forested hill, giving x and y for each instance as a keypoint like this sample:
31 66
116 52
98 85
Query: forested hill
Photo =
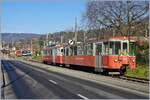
9 37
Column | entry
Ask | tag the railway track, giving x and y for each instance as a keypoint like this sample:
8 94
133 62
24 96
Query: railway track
135 79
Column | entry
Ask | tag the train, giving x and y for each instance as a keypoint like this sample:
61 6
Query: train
114 54
20 53
26 53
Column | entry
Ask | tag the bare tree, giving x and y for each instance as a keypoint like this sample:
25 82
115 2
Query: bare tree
116 15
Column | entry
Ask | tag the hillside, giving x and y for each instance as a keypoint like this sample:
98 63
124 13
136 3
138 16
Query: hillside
9 37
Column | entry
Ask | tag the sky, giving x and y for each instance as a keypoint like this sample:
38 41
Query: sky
41 16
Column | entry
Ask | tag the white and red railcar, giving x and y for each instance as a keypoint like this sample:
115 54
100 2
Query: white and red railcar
53 54
110 55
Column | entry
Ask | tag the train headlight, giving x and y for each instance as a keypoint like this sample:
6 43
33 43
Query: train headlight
115 60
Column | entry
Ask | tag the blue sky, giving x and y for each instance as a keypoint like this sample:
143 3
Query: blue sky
40 16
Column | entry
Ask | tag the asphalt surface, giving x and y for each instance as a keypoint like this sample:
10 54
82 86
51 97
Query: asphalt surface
27 81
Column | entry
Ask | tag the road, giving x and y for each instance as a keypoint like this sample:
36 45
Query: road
29 82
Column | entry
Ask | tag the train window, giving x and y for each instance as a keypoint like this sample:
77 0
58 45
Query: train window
75 50
125 49
98 49
54 52
71 51
67 52
89 49
57 51
62 50
85 50
112 48
106 48
117 48
79 50
44 52
50 52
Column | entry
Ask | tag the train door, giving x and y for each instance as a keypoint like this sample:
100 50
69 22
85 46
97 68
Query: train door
54 54
66 60
65 50
98 67
61 55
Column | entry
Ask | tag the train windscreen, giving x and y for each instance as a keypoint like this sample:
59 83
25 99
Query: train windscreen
112 48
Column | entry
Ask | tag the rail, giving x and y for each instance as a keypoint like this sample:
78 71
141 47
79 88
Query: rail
135 79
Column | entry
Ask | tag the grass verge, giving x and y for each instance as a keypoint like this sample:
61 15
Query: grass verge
37 58
142 71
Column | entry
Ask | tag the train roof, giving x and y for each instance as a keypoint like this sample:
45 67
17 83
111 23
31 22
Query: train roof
53 46
123 38
118 38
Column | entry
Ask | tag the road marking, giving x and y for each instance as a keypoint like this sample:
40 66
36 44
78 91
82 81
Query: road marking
53 81
82 96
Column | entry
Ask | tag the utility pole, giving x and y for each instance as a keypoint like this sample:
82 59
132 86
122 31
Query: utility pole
84 35
113 29
75 36
129 18
31 47
47 39
12 44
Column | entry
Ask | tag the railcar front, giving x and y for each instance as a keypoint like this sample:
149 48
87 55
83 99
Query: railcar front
47 55
116 55
58 55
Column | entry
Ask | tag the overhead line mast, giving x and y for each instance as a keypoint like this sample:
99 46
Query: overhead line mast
0 41
75 36
46 39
